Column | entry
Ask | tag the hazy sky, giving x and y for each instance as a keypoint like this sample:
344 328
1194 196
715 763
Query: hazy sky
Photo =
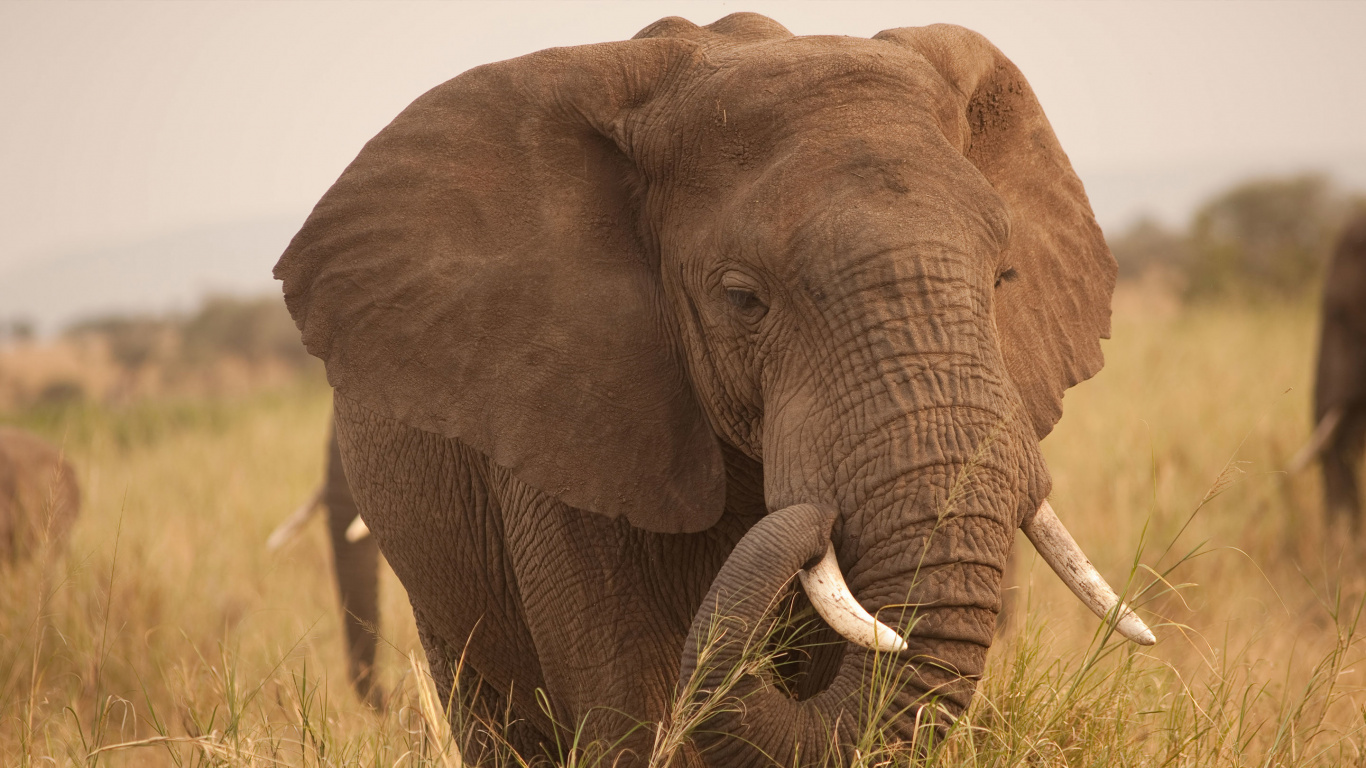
121 121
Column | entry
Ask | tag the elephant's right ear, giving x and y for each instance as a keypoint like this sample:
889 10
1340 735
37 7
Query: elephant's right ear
481 271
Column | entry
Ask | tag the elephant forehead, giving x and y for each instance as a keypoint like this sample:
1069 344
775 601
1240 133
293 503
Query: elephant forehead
853 208
742 102
820 141
789 72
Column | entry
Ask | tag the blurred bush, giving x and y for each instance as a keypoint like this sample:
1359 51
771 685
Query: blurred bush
1147 247
1262 239
61 393
254 330
133 342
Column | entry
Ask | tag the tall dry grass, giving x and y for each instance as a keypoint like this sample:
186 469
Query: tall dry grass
168 635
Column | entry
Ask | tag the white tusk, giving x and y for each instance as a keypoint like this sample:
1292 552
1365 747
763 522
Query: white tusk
1323 435
830 595
357 530
290 528
1060 551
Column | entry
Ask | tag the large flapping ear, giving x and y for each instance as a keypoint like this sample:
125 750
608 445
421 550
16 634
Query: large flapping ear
480 271
1052 316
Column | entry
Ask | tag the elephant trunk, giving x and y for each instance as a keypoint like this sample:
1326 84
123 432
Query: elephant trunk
743 719
357 568
747 718
923 503
937 582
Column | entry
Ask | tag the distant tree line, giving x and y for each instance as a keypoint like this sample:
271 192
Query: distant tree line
1263 239
227 345
254 330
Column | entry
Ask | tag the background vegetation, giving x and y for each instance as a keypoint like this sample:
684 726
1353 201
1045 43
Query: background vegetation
167 635
230 346
1263 239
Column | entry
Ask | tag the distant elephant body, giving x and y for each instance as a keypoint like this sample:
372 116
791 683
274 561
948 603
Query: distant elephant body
355 561
356 565
1340 386
628 338
39 497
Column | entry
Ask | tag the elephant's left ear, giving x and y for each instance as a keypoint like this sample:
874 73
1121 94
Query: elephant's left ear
482 271
1052 316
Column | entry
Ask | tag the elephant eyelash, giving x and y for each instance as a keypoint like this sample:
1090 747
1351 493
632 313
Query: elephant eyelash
1006 276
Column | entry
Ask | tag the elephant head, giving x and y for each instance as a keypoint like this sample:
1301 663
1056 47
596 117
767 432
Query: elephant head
863 265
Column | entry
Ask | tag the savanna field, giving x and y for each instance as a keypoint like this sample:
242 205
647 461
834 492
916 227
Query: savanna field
168 635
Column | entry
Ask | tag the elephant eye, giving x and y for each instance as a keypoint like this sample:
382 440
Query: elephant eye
1006 276
742 292
741 299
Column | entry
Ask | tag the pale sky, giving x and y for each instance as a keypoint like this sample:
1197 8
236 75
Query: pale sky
126 121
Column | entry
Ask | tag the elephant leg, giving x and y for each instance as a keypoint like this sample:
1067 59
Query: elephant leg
1341 465
482 720
605 662
428 505
357 569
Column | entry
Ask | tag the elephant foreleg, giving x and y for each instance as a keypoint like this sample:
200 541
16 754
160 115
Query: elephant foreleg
1341 465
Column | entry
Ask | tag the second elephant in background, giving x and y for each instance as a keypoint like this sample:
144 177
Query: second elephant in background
1340 383
39 496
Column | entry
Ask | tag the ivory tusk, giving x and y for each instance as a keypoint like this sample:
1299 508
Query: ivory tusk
830 595
1323 435
357 530
1060 551
290 528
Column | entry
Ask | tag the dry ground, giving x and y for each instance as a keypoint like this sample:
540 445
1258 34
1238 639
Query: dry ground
169 636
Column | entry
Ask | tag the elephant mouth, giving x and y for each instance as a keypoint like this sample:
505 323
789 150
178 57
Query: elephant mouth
834 601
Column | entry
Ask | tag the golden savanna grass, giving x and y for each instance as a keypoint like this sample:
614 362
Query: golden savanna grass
167 635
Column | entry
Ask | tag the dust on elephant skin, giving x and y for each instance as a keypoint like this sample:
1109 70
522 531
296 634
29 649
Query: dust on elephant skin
39 497
620 334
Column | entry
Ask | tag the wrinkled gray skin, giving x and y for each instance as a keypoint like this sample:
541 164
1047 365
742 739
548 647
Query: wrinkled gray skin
357 569
1341 378
39 497
624 335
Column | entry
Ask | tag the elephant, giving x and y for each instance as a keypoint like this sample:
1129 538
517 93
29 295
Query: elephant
39 496
634 343
1340 382
355 560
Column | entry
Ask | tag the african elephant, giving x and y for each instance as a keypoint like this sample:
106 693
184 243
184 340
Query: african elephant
625 336
355 561
1340 384
39 497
